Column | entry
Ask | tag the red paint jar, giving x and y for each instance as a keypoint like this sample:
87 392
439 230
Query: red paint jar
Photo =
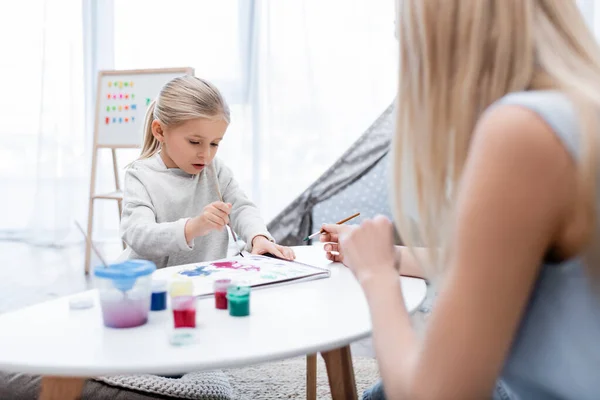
184 311
220 287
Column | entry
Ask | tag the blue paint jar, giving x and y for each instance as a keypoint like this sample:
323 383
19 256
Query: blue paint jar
158 301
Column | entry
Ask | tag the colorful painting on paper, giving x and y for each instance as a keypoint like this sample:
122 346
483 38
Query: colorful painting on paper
252 270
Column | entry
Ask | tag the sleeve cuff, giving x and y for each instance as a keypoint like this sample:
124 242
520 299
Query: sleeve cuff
180 235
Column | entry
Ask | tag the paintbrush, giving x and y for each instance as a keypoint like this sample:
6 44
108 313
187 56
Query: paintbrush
91 244
221 200
306 239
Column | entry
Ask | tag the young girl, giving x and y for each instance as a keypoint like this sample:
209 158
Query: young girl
498 108
178 198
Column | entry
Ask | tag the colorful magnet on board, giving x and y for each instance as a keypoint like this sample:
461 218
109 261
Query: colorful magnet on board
126 84
120 108
116 83
107 120
133 107
120 120
148 101
120 85
126 96
131 83
108 95
114 96
121 96
132 119
132 95
114 108
114 120
107 108
126 107
109 84
126 119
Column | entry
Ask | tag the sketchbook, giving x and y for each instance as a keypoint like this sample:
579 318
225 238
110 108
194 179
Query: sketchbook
252 270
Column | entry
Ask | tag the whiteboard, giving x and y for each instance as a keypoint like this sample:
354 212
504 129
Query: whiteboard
122 100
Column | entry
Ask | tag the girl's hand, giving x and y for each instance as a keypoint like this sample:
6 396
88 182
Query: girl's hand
215 216
369 250
332 239
262 245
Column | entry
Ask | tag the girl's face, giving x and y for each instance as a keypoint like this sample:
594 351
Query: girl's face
191 145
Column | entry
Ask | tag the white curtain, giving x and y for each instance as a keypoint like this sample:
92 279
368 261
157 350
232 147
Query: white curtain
43 163
322 72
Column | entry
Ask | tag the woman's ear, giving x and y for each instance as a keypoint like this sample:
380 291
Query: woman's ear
157 131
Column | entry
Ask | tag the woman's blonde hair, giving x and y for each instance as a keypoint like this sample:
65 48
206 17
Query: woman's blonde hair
457 57
181 99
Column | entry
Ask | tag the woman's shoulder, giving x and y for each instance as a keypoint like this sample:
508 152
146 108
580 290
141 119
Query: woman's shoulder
555 108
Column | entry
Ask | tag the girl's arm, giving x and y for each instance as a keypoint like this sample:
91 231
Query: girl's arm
139 228
245 217
516 193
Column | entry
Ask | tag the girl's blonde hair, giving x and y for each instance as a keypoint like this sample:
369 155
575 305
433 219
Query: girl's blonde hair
456 58
181 99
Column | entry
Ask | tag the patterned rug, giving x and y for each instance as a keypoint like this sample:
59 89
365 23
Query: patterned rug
287 379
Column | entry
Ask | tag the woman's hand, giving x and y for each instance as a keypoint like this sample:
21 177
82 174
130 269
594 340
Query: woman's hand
262 245
369 250
333 250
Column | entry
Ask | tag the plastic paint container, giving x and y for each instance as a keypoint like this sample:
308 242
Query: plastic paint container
220 287
183 304
158 300
125 291
239 301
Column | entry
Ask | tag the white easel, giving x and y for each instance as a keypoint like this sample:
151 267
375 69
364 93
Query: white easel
122 98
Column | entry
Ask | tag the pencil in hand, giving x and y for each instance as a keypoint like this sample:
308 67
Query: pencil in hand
306 239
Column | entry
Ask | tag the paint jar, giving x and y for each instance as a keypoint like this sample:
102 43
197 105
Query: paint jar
125 290
184 311
239 300
183 303
158 300
220 288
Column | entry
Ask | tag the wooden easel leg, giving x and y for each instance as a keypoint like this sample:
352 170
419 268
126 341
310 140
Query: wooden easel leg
340 373
311 377
117 186
55 388
88 249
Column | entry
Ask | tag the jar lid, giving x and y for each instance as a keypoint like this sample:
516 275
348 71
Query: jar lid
181 287
159 285
238 292
127 269
126 273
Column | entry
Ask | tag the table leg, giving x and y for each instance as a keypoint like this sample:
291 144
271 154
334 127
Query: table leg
311 377
340 373
61 388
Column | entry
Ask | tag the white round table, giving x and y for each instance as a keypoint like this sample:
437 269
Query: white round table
323 315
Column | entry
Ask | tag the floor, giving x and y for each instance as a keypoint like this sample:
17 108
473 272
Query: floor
35 274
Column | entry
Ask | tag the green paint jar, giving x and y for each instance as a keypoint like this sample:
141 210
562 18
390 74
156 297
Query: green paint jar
239 300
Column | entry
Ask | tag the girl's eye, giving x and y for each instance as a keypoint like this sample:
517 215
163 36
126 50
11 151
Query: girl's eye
214 144
192 142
